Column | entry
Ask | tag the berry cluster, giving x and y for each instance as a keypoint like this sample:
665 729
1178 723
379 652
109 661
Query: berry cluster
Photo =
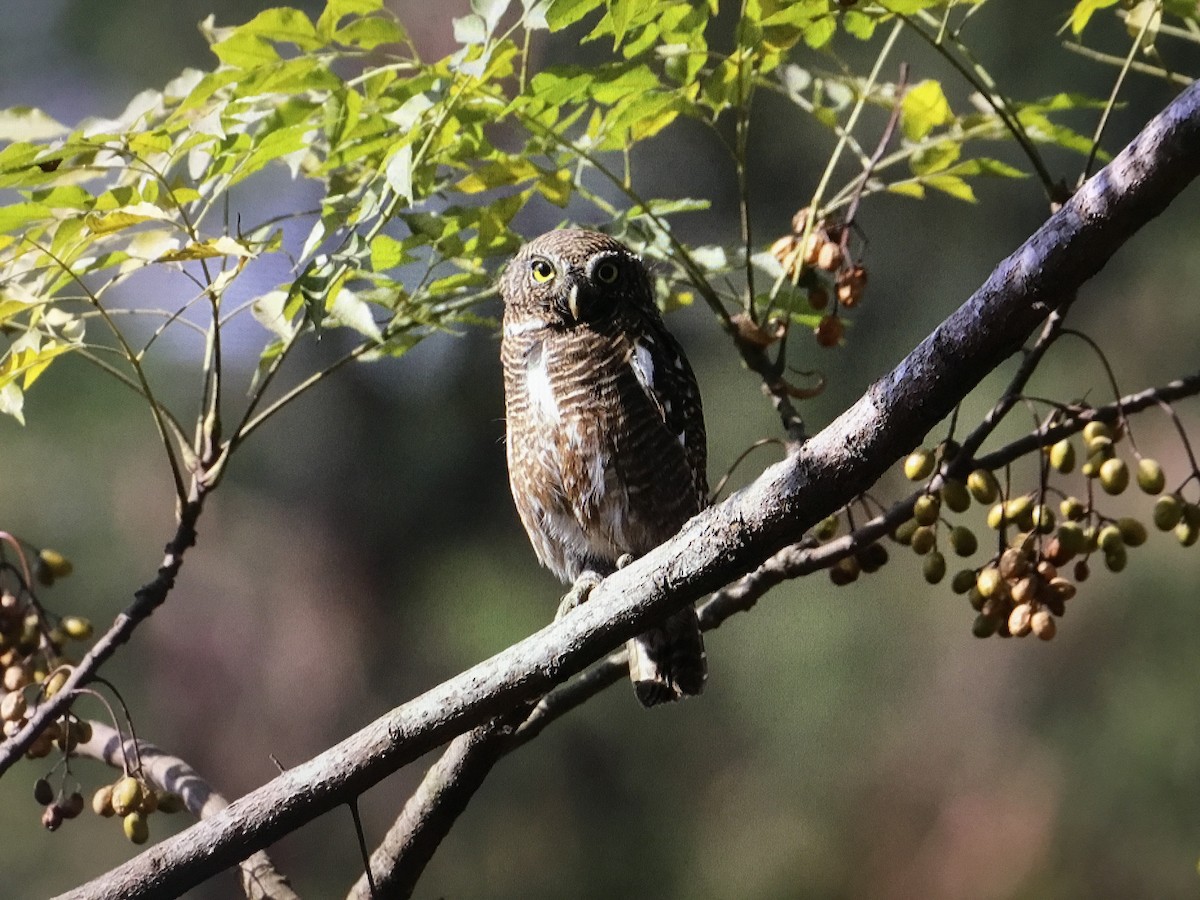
31 643
822 262
1022 588
134 799
35 666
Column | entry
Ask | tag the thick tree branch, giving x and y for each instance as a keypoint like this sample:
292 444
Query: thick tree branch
428 815
726 540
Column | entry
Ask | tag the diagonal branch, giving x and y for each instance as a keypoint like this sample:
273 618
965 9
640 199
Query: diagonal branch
729 539
429 814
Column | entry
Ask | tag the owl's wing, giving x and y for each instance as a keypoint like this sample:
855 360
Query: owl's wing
663 373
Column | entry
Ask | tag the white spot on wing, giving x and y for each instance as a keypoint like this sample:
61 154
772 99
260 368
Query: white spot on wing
643 367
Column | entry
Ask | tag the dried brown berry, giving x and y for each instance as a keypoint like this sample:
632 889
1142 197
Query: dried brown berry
72 805
13 707
52 817
1014 564
829 331
102 801
1043 625
830 256
1019 620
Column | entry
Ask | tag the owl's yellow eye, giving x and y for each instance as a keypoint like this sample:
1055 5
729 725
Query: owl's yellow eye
607 272
542 270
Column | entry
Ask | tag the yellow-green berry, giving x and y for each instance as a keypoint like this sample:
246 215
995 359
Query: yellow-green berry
1114 476
983 486
919 465
927 508
1062 456
1168 510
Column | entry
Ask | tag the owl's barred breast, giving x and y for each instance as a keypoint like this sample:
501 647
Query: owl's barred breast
600 474
605 430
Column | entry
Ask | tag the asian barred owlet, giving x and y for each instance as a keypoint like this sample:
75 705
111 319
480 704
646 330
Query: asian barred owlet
605 432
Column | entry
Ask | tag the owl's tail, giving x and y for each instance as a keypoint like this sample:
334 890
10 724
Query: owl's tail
667 662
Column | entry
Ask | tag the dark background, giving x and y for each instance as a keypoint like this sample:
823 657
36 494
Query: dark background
853 742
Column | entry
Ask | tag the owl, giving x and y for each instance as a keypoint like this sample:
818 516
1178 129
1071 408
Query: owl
605 431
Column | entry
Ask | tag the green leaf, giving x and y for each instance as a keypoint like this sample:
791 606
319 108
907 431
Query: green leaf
909 7
222 246
18 215
24 123
347 309
12 401
820 32
907 189
924 108
336 10
859 25
118 219
534 14
268 311
1083 12
470 30
556 186
986 167
497 174
952 185
368 34
387 253
399 172
935 158
561 13
490 11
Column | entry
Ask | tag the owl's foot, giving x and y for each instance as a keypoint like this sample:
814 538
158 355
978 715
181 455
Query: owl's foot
578 594
624 559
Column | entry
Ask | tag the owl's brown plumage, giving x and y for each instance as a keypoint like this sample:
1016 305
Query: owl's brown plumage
605 431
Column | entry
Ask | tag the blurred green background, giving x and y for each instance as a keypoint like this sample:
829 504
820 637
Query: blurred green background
853 742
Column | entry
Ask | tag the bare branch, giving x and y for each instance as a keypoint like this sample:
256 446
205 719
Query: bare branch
726 540
431 811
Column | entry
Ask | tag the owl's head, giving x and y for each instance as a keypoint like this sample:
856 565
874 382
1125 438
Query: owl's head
573 276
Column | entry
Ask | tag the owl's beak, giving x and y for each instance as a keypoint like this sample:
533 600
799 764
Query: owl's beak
573 300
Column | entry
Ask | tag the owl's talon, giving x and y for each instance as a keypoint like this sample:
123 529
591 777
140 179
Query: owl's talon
579 592
624 559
